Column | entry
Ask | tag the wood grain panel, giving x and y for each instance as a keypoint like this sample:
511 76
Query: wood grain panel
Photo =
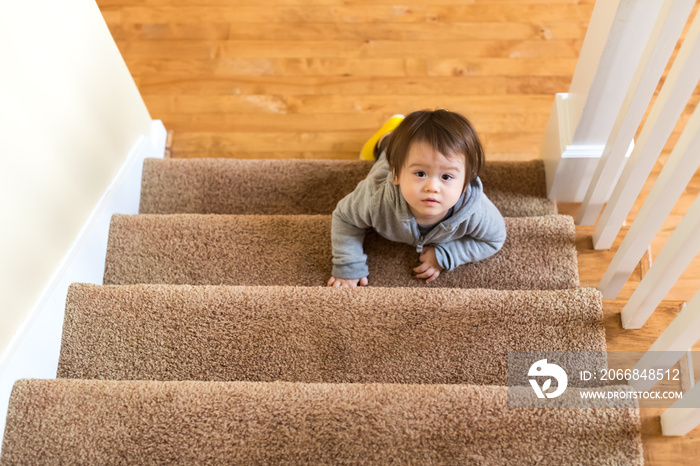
368 13
385 49
231 144
367 106
242 57
362 67
316 85
222 30
229 3
260 122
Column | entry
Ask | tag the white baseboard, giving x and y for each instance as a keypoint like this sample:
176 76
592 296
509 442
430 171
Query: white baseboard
569 168
34 349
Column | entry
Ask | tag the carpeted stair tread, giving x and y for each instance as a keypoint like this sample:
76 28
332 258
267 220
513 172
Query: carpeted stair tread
299 186
300 334
132 422
193 249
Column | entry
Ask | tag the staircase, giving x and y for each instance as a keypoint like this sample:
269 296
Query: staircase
213 339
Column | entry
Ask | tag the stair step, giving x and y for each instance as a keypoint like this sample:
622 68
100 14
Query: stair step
299 334
129 422
298 186
194 249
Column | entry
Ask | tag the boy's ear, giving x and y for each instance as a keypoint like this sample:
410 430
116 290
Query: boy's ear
395 178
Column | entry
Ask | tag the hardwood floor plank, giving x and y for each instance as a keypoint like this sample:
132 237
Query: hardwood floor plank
419 12
262 13
388 49
210 3
472 105
223 30
262 122
560 68
511 12
178 68
276 154
312 85
229 144
250 67
364 106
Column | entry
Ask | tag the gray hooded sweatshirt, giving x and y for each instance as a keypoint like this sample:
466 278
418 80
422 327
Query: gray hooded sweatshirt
474 231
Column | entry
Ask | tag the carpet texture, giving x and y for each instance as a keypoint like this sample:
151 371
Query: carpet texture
215 340
539 253
298 186
298 334
135 422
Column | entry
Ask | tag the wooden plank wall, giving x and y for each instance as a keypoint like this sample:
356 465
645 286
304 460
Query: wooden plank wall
315 78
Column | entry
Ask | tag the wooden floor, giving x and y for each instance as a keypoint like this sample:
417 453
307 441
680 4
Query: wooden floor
658 450
315 78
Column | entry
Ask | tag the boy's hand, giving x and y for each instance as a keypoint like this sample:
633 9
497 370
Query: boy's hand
429 267
337 282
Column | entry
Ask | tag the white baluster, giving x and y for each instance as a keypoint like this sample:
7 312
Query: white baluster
581 120
657 52
683 415
677 254
668 107
677 172
672 344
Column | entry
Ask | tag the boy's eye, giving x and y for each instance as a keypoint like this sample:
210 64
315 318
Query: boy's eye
447 177
421 174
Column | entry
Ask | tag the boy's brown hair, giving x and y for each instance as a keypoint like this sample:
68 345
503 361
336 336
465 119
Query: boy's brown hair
447 132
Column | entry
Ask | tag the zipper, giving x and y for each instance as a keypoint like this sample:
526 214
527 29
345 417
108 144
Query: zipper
421 239
419 246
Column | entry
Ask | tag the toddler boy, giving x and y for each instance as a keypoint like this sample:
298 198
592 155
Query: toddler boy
423 190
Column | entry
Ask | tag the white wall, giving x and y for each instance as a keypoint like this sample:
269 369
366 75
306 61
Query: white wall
69 115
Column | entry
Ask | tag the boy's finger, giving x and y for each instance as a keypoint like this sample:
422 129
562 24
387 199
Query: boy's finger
331 280
427 273
363 281
421 268
433 277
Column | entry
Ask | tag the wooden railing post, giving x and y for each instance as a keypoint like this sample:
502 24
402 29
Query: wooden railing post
672 344
674 14
668 107
677 254
683 415
581 121
675 176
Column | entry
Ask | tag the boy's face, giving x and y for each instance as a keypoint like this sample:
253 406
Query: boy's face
430 182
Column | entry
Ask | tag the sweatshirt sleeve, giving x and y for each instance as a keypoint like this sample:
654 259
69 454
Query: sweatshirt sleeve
486 237
350 221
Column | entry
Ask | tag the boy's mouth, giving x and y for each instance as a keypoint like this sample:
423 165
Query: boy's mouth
430 201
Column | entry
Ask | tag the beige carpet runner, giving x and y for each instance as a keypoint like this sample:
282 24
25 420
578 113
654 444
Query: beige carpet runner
419 335
146 422
288 187
539 253
214 339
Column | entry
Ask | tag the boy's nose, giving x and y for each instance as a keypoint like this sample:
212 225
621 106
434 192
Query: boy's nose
431 186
